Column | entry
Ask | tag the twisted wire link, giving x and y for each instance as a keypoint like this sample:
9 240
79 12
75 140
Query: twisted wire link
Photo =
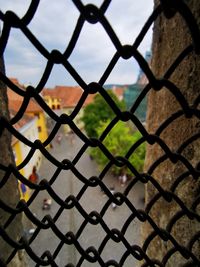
93 14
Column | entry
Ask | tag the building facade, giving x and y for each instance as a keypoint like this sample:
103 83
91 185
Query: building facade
33 127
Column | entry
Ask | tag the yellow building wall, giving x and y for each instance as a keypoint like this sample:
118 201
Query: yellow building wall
20 150
18 155
55 103
18 159
41 124
52 102
48 101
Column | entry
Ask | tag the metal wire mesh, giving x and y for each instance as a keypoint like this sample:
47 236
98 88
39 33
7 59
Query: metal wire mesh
92 14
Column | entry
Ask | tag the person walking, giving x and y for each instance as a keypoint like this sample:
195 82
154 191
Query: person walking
112 190
124 179
47 204
34 177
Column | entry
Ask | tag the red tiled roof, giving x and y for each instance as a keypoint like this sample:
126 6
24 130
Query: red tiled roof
68 95
49 92
14 105
13 96
89 99
33 107
15 81
15 101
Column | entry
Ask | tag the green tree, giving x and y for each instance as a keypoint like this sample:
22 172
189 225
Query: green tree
119 140
99 111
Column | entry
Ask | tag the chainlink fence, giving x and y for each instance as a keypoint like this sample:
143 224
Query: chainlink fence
71 239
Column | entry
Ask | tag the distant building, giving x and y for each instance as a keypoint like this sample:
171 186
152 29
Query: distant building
28 130
34 110
133 91
64 99
142 78
118 91
130 97
32 126
52 98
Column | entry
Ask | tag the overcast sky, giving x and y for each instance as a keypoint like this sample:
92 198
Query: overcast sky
53 25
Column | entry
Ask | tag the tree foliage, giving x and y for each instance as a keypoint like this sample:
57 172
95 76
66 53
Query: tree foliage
99 111
118 142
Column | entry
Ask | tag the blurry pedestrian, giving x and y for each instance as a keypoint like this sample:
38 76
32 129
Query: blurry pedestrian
112 190
23 189
34 177
47 204
120 179
71 137
59 138
123 180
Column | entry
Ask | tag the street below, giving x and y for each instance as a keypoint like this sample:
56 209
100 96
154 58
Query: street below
93 199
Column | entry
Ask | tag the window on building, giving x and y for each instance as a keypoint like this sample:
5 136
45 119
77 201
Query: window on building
39 129
37 115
